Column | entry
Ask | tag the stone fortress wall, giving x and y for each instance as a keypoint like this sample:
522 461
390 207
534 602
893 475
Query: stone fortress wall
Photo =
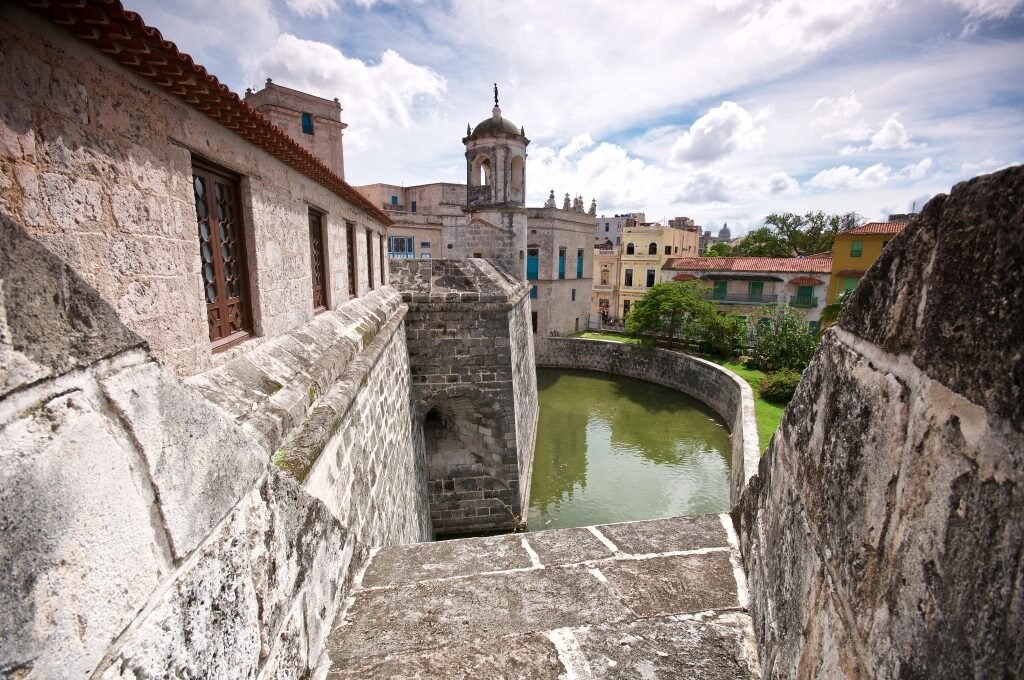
96 163
475 387
727 394
882 534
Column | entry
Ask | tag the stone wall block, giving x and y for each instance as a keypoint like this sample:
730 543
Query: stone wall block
82 548
201 464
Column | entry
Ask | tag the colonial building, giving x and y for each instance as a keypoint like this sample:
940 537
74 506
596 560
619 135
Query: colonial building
854 251
744 285
604 301
487 218
645 249
610 227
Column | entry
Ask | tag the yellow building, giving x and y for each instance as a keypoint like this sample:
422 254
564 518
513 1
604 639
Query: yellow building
645 249
854 251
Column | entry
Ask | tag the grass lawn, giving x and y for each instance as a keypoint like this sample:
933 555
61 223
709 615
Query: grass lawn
611 337
768 415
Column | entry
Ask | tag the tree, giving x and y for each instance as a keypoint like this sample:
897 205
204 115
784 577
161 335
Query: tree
724 334
762 242
813 232
781 339
667 309
719 250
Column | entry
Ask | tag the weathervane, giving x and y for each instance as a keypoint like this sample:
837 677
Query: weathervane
495 94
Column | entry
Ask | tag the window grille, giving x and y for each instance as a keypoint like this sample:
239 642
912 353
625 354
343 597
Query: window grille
369 259
317 259
222 249
350 243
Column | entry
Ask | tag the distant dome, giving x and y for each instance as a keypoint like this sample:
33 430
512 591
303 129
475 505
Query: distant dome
496 125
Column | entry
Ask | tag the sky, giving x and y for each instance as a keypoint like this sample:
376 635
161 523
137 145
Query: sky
724 111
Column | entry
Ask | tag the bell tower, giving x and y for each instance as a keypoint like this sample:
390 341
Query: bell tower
496 192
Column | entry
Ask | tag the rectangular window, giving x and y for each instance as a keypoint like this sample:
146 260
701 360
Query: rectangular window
350 245
394 200
850 284
317 259
307 123
755 290
425 244
668 250
533 321
413 206
561 263
380 252
579 263
369 259
812 327
625 309
533 292
606 228
628 280
720 290
532 264
401 247
650 277
574 295
222 249
856 248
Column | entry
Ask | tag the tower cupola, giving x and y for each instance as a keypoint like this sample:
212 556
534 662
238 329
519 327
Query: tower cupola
496 161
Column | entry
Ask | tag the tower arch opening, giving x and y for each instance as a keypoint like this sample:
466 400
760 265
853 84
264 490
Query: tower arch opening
480 171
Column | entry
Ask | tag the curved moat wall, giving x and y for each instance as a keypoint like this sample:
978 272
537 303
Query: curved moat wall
729 396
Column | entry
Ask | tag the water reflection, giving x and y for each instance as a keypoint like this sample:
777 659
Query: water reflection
613 449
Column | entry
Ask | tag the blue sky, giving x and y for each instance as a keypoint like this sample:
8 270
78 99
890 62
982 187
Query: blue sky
720 110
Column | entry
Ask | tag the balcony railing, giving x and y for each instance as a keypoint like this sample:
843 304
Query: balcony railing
747 298
401 256
798 301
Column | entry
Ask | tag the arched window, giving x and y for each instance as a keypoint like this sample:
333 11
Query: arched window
630 249
480 171
652 249
516 170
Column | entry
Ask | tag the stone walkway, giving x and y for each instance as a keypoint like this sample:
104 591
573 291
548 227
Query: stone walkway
655 599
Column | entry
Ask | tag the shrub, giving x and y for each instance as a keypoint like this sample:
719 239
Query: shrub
779 386
780 339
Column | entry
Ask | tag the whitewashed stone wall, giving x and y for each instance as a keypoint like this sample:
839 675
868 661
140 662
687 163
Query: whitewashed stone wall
96 163
146 532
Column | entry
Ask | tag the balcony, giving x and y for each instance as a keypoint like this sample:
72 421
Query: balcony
798 301
401 256
741 298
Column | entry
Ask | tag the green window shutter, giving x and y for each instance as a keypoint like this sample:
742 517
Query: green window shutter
805 292
850 284
755 290
720 287
856 248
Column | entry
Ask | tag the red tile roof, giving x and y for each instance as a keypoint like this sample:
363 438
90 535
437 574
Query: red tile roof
124 37
875 228
684 277
816 265
806 281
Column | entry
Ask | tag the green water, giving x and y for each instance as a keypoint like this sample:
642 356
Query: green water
614 449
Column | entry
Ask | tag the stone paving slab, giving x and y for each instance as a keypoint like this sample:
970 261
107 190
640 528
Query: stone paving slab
667 535
661 598
514 657
430 614
674 585
444 559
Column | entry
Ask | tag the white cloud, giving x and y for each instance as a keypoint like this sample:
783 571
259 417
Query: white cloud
840 118
891 135
846 177
308 8
987 9
917 170
721 131
799 26
374 95
706 187
779 183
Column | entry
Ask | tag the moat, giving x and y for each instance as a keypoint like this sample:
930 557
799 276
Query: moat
615 449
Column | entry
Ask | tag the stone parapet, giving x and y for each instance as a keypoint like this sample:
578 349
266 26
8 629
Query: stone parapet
726 393
882 534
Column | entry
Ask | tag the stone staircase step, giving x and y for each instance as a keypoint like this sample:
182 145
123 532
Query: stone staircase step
659 595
